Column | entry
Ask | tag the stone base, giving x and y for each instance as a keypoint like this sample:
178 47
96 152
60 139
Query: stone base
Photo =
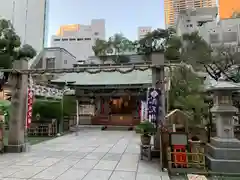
16 148
222 155
225 143
222 166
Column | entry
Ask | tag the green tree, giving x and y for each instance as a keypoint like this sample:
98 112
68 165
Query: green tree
195 51
219 61
161 40
186 93
100 47
11 48
116 48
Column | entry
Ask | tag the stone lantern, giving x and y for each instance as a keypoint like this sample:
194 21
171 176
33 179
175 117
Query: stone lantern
222 153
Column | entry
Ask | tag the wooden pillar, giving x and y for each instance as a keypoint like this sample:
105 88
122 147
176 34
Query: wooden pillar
98 106
19 83
106 105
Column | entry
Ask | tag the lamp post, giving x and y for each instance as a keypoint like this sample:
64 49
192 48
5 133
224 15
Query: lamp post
223 150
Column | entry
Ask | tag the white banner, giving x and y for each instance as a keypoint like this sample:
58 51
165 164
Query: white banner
143 110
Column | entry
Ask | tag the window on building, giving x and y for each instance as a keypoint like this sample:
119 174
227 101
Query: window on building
191 25
50 63
229 37
65 61
64 39
87 39
72 39
57 39
214 38
96 33
79 39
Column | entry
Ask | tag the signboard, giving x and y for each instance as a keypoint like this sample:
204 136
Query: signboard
153 104
29 107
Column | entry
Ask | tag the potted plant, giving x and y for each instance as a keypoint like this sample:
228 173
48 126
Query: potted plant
146 129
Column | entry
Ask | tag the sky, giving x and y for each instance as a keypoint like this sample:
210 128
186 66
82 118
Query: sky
122 16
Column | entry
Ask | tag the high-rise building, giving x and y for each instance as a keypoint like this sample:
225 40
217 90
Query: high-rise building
173 7
228 7
29 18
79 39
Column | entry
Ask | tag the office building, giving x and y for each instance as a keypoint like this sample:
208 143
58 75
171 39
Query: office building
228 7
143 31
79 39
191 20
172 8
214 32
29 18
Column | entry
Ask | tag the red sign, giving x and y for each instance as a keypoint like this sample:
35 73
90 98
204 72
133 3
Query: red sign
145 30
180 157
29 107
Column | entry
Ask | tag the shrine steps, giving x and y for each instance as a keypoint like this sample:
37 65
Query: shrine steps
106 127
119 128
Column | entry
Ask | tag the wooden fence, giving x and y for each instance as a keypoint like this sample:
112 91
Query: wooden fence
43 129
188 161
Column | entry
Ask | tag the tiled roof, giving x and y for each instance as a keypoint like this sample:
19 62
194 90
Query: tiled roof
108 78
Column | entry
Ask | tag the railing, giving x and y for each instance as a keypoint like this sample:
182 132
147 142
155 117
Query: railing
181 161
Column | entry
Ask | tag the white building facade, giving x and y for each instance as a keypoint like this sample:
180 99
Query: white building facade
226 31
191 20
214 32
80 39
29 18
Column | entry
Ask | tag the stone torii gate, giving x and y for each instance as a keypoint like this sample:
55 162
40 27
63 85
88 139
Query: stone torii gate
19 84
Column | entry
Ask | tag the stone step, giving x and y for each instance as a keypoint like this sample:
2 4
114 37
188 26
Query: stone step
100 127
119 128
222 165
222 153
225 143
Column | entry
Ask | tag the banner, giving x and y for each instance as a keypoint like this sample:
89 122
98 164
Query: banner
29 107
153 104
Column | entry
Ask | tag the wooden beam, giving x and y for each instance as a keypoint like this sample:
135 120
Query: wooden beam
124 86
107 94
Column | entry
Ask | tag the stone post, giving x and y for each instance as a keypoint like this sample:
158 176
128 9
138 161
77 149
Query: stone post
158 82
19 84
222 153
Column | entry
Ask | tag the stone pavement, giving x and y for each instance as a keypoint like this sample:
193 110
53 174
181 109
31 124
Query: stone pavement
93 155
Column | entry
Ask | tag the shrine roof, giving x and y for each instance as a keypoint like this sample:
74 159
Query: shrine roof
108 78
